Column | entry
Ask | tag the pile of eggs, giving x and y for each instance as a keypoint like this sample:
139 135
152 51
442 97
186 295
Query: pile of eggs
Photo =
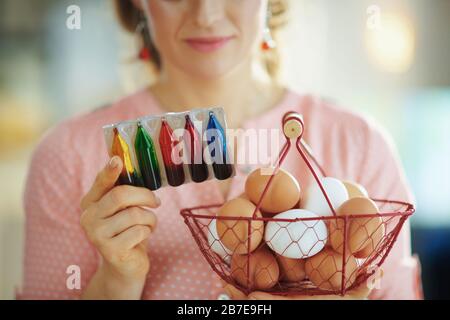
283 249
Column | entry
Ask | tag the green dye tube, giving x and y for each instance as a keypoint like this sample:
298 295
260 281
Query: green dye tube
147 159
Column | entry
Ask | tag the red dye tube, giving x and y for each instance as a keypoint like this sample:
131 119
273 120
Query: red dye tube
194 150
169 150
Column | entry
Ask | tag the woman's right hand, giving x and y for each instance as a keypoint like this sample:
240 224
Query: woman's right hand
117 224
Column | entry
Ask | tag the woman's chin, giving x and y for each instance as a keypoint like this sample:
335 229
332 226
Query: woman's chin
209 71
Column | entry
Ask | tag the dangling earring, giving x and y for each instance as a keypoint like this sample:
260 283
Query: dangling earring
268 42
144 54
141 29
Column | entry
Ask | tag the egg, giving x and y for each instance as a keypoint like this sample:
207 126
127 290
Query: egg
296 240
355 190
373 242
233 233
291 270
324 270
282 194
215 244
362 232
316 202
371 247
263 269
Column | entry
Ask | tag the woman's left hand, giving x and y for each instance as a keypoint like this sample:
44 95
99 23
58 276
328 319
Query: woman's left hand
359 293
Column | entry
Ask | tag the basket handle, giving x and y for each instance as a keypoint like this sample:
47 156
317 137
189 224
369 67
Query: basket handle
293 128
293 125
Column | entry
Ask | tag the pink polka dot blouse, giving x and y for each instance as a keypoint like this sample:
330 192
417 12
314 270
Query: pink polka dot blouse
69 156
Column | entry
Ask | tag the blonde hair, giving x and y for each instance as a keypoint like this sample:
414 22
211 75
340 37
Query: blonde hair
130 17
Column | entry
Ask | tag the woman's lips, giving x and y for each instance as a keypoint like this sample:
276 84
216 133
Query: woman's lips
208 44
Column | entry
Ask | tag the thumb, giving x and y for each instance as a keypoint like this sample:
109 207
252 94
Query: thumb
104 181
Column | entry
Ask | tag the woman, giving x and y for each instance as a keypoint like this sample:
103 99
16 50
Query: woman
203 52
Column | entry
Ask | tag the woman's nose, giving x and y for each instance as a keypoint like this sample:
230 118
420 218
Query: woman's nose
209 12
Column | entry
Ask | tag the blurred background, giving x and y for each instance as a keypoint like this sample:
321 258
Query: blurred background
388 59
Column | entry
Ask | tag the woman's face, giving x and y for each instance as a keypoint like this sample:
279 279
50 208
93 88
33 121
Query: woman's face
206 38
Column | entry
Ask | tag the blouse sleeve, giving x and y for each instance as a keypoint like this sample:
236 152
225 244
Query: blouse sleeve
383 176
58 257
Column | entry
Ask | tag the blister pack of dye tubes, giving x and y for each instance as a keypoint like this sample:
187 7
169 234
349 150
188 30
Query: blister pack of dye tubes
171 149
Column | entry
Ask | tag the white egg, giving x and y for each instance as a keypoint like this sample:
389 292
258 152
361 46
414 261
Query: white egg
215 244
299 239
315 200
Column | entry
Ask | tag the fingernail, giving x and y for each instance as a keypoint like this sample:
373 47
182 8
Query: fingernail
114 162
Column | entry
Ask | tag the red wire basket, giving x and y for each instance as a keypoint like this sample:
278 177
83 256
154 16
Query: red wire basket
322 272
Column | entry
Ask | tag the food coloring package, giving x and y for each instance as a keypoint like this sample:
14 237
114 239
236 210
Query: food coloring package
171 149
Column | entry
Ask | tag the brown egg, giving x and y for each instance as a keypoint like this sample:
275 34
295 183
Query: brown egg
282 195
373 242
361 232
234 233
324 270
355 190
292 270
263 269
